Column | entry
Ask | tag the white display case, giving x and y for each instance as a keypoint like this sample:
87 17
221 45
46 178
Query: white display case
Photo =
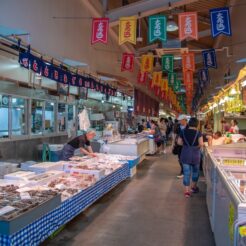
225 170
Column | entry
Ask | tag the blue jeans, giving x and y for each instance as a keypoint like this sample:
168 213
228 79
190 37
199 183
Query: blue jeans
190 170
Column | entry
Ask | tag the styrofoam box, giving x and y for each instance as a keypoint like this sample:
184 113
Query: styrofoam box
7 167
97 173
44 178
27 164
20 175
46 166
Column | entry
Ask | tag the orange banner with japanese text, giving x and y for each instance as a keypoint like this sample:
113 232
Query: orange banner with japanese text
127 30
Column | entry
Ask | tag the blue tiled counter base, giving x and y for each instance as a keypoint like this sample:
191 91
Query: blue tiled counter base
133 163
39 230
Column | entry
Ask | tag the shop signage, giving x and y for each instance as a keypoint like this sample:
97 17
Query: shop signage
142 77
167 63
188 61
127 63
53 72
188 77
188 27
203 76
127 30
165 85
209 58
220 22
157 28
157 77
147 63
172 77
177 85
100 30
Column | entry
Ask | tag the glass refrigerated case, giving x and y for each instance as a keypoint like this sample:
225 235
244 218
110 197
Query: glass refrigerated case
225 172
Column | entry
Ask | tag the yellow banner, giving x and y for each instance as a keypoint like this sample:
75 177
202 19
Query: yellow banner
147 63
157 77
127 30
164 85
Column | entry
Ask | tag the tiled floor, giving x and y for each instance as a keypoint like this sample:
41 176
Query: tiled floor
149 210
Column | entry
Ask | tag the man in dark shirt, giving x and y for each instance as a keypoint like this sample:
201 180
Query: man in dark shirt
81 142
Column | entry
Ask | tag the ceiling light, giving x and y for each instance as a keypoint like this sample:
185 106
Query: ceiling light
102 101
171 24
243 83
222 101
233 91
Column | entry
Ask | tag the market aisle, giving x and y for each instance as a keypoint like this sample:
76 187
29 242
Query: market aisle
149 210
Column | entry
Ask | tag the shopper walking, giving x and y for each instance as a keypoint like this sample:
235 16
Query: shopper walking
182 119
163 129
192 142
157 135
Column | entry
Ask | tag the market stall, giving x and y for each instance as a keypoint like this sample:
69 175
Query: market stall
46 196
225 172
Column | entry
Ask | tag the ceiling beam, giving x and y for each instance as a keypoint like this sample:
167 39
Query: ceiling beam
145 8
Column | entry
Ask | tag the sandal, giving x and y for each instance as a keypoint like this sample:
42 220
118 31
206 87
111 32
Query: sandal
187 194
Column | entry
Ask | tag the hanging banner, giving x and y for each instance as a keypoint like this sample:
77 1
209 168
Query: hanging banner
188 77
203 76
156 78
99 30
24 59
177 86
172 77
188 26
209 58
165 85
157 28
147 63
127 63
35 64
188 61
127 30
59 75
47 70
142 77
220 22
167 63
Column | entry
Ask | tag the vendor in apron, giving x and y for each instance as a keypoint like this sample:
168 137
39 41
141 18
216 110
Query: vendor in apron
81 142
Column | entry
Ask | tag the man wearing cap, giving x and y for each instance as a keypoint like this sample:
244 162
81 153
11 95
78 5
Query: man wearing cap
81 142
182 125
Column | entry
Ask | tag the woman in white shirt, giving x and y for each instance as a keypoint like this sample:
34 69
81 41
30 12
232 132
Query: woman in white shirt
234 127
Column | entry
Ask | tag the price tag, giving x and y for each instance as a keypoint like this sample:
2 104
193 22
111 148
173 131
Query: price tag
233 162
25 196
6 210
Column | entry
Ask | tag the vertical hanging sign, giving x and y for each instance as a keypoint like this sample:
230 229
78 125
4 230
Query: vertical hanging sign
127 63
172 77
220 22
142 77
188 61
188 77
209 58
188 26
147 63
203 76
157 77
99 30
127 30
177 86
157 28
167 63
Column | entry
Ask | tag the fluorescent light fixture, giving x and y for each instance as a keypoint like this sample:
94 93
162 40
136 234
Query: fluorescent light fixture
242 60
171 24
176 58
222 101
74 63
233 91
243 83
105 78
102 101
226 98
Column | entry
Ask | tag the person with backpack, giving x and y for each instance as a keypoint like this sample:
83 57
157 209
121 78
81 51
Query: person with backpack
192 141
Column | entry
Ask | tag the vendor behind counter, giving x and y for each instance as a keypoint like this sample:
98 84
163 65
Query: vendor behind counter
81 142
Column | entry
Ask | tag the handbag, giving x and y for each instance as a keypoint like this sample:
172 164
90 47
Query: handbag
176 149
